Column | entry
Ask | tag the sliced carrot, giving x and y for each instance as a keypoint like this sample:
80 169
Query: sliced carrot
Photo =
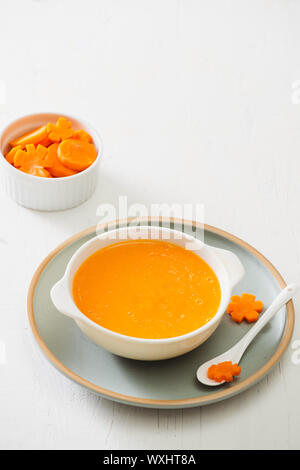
76 154
33 137
37 171
60 131
11 154
46 142
32 160
244 308
69 151
54 165
224 371
30 156
82 135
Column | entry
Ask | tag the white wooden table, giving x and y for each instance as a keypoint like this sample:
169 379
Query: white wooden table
196 102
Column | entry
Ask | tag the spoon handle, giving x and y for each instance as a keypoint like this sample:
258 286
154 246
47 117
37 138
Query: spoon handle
284 296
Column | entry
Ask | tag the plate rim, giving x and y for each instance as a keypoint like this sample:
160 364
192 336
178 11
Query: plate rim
149 402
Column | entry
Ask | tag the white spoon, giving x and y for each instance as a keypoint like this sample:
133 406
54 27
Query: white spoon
236 352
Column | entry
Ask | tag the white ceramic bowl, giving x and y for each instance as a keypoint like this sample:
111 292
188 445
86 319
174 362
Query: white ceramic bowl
225 264
47 194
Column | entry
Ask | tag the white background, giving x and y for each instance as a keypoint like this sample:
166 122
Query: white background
194 102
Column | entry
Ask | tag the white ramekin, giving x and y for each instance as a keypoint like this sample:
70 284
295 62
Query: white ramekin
46 194
225 264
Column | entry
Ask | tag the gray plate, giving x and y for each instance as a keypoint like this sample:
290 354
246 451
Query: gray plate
159 384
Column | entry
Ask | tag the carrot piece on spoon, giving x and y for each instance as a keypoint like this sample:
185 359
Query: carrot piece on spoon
224 371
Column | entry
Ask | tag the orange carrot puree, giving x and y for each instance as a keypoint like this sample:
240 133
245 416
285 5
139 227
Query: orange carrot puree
147 289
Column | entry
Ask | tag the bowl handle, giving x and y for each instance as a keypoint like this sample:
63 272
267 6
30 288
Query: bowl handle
233 265
61 298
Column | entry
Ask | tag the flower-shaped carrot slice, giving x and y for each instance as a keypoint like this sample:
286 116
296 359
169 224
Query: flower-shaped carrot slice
223 371
32 160
244 308
82 135
60 131
33 137
54 165
76 154
11 154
